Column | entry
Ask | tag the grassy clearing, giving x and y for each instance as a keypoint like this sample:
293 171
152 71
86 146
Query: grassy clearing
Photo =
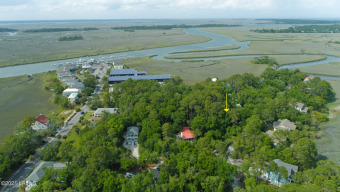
324 69
194 72
20 99
25 48
73 137
283 43
88 115
228 47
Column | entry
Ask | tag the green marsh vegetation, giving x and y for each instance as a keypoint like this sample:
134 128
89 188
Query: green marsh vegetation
303 29
20 97
228 47
25 48
168 27
47 30
71 38
7 30
281 43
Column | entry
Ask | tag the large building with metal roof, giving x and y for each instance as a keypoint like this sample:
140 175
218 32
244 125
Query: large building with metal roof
119 75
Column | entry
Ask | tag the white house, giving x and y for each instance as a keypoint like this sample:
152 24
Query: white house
72 98
69 91
41 123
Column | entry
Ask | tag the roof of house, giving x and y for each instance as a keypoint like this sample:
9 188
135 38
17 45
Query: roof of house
38 172
289 167
284 124
128 72
151 77
155 171
99 111
132 130
71 90
117 63
301 107
186 133
308 78
42 119
73 95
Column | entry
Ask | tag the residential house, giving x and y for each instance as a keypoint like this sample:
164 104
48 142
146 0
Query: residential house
301 107
276 141
100 111
284 124
118 65
277 179
69 91
72 98
186 134
38 172
132 136
308 78
41 123
156 171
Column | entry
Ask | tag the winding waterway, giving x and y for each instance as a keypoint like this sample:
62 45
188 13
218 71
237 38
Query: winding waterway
217 40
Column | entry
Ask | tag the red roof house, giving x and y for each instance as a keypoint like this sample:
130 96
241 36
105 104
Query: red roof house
186 134
42 119
41 123
308 78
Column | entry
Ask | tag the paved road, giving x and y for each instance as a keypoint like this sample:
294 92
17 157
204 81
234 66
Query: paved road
23 172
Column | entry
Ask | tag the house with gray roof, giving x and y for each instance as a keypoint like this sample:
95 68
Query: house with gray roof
276 140
100 111
284 124
39 172
275 178
118 65
301 107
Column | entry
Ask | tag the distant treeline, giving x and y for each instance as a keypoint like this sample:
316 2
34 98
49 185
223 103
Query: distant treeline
70 38
59 29
301 21
7 30
304 29
168 27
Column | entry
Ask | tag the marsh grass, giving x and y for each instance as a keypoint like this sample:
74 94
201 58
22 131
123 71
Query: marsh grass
20 98
194 72
27 48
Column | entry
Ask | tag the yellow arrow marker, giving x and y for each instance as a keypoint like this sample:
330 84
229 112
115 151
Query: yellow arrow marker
226 103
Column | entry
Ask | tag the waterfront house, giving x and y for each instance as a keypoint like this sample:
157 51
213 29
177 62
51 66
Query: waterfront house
118 65
41 123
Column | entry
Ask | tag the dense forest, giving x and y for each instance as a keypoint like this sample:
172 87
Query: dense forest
71 38
168 27
98 162
7 30
59 29
303 29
